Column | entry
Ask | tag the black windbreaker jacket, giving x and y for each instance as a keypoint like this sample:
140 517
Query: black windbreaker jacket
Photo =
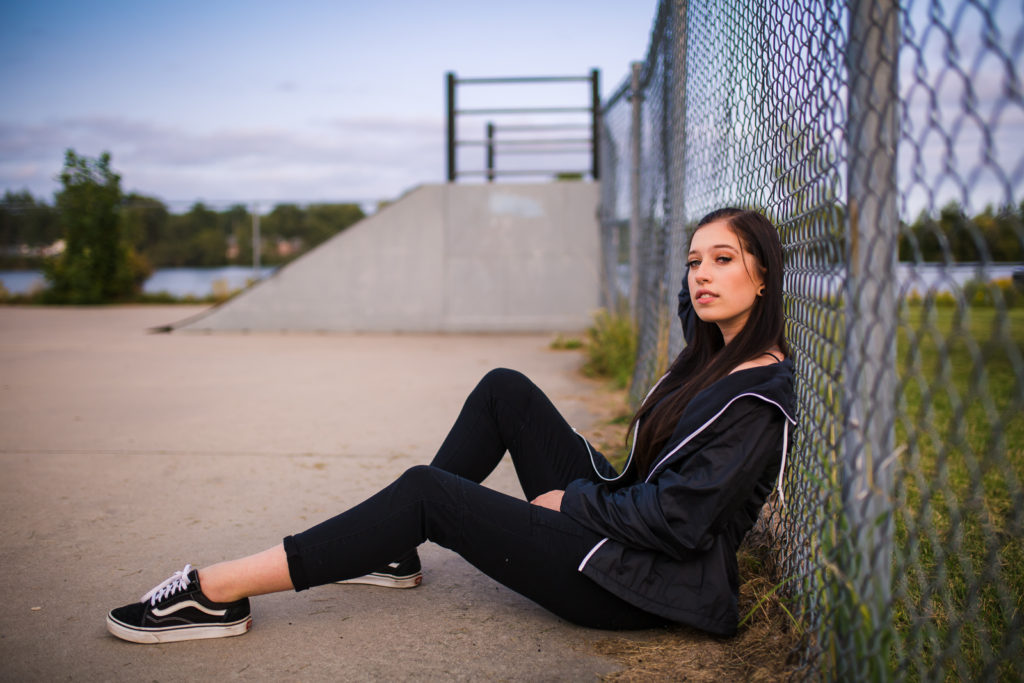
670 541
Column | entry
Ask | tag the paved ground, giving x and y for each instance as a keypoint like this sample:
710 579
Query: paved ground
125 454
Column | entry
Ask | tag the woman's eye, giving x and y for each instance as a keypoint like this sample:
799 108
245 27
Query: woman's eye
724 259
692 264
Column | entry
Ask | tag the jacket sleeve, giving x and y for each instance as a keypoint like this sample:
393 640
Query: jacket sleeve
683 507
687 316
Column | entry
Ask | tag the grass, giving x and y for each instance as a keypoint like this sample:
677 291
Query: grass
959 565
563 343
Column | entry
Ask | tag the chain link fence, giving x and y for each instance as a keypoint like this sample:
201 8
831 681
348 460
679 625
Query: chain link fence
886 142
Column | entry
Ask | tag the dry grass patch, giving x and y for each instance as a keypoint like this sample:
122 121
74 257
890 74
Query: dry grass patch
762 650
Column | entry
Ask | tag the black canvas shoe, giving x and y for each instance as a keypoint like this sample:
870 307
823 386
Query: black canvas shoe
405 573
178 610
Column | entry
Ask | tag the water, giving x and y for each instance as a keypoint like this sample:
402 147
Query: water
178 282
199 282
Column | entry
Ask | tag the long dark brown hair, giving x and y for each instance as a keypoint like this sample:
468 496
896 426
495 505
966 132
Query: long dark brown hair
707 358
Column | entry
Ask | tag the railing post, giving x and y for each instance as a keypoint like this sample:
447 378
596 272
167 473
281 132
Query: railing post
450 100
595 125
869 374
490 152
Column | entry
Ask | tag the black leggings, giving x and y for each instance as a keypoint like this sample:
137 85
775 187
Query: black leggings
532 550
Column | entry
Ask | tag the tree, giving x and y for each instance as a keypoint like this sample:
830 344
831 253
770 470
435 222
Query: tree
97 265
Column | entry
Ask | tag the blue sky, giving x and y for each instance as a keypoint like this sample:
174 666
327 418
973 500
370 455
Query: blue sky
258 101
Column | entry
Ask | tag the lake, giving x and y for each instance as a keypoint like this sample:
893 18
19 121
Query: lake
178 282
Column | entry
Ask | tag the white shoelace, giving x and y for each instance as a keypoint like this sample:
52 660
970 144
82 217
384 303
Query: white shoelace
178 582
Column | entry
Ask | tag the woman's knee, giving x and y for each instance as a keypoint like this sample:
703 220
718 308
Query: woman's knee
422 483
417 477
505 382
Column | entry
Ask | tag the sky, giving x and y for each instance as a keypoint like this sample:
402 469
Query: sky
229 101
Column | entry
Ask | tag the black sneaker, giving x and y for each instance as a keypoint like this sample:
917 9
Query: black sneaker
178 610
405 573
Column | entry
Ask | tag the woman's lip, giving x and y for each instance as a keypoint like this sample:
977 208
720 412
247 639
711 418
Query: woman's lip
704 297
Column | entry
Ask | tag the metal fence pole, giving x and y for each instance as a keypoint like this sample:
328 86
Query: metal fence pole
450 114
869 372
595 123
610 233
635 138
676 157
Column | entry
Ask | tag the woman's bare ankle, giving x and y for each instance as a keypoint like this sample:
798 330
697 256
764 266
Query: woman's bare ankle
265 572
214 589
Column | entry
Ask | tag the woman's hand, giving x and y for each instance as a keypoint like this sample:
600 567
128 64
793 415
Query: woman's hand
551 500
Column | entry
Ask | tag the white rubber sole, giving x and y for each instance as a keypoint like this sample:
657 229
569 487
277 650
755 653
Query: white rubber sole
177 633
386 580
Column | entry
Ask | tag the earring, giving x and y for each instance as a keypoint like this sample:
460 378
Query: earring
760 292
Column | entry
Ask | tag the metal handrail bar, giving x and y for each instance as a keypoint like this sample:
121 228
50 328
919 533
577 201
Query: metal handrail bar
522 79
543 126
526 110
546 171
555 150
524 141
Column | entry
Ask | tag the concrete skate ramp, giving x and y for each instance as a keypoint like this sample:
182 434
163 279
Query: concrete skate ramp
443 258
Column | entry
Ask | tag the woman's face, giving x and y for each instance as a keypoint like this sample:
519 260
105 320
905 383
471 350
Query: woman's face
724 278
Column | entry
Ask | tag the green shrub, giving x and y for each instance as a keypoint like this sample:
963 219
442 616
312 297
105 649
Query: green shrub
611 348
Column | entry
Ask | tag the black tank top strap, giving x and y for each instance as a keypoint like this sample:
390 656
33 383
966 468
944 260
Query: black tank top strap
769 353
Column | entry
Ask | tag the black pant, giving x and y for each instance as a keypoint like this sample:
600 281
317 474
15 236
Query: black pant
532 550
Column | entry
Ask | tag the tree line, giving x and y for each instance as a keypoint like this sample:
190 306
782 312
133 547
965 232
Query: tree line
95 244
995 234
200 237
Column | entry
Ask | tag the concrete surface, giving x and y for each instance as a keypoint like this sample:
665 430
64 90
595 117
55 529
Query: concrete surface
443 258
124 455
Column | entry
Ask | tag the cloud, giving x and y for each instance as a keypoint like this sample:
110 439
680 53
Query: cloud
344 158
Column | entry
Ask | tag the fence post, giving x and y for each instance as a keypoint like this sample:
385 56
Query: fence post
635 151
610 233
450 103
595 123
869 375
676 213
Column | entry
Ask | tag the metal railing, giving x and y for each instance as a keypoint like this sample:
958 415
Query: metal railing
532 132
884 140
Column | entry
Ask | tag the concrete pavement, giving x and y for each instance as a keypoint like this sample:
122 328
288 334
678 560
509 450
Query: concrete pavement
125 454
